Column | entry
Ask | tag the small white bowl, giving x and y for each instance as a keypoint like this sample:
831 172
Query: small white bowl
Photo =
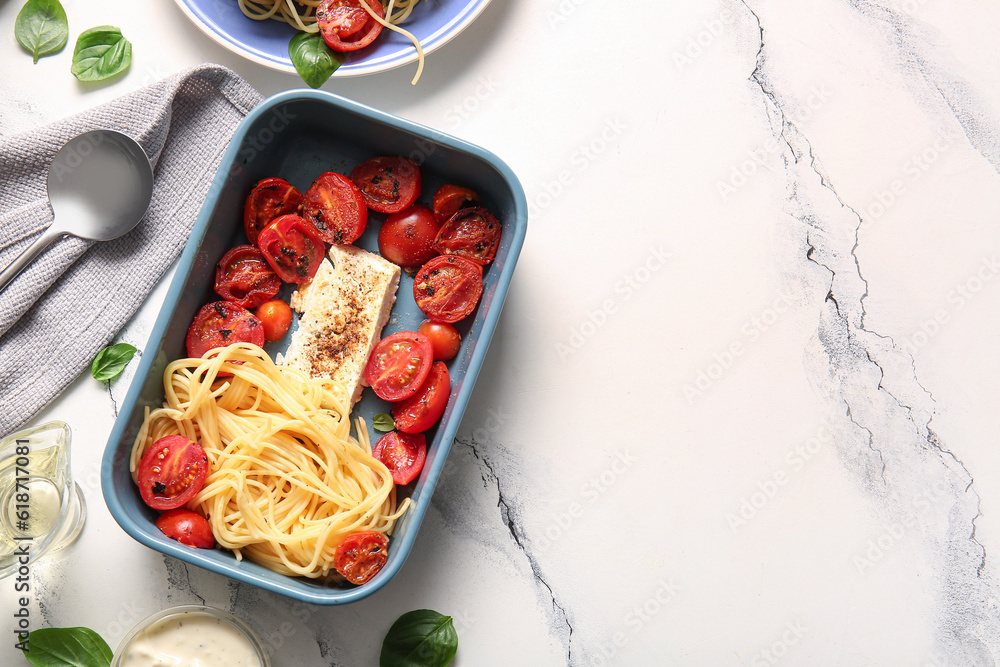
210 631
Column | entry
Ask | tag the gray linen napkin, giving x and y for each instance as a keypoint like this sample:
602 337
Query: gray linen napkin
75 297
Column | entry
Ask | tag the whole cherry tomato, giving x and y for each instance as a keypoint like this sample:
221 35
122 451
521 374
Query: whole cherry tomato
407 238
276 318
445 339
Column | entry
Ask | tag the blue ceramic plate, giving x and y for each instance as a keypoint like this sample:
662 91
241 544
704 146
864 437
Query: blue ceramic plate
297 135
433 23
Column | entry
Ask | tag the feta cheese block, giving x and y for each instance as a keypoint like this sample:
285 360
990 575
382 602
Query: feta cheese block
342 312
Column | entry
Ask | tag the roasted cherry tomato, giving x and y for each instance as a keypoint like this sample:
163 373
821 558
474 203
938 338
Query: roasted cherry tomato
407 238
276 318
450 198
270 198
186 527
360 556
445 339
292 247
245 278
472 233
336 207
171 472
422 410
403 454
448 287
222 323
389 184
399 364
346 26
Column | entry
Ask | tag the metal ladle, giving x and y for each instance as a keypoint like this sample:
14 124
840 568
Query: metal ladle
100 185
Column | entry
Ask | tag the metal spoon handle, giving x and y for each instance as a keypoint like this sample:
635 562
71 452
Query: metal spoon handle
41 243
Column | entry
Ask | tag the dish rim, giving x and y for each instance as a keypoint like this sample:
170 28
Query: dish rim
279 584
241 626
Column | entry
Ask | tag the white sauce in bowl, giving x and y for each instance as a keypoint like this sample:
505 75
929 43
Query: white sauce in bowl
190 639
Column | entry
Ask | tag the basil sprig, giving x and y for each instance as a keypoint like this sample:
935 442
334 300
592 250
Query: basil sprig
41 28
313 59
72 647
101 53
111 361
421 638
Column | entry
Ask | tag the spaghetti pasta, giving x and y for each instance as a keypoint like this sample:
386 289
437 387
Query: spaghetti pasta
302 15
287 482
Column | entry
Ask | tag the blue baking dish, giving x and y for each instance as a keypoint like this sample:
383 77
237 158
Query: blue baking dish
297 135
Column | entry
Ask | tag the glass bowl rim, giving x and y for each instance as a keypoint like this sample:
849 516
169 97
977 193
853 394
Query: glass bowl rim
178 610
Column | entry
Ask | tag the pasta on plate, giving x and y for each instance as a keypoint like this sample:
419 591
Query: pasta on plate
301 14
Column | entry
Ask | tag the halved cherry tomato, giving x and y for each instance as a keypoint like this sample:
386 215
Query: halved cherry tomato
292 247
399 364
276 318
360 556
403 454
472 233
407 238
245 278
171 472
448 287
222 323
270 198
422 410
450 198
186 527
389 184
444 338
336 207
346 26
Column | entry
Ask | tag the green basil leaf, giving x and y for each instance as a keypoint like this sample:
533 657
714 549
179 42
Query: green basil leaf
67 647
313 59
41 28
111 361
101 53
383 422
421 638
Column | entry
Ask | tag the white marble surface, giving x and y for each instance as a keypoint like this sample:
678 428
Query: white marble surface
741 407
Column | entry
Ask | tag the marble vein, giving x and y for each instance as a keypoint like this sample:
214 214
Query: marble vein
509 514
914 44
179 580
888 411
